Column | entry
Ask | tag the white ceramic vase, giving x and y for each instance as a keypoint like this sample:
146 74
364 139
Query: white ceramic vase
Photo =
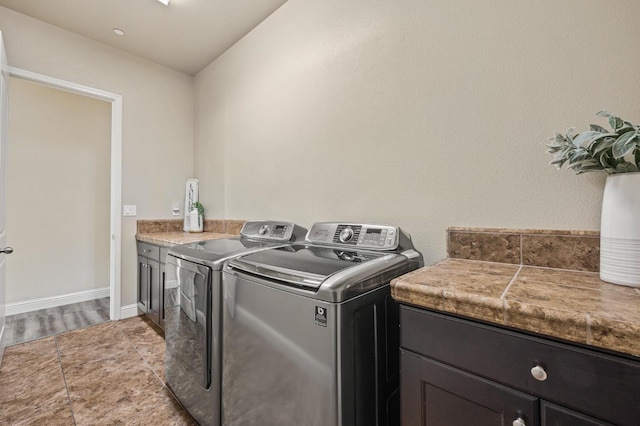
195 221
620 230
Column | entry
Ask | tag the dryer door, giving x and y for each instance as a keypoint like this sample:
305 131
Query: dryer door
187 324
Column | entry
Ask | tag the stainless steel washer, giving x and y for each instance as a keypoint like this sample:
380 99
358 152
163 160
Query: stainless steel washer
193 312
310 331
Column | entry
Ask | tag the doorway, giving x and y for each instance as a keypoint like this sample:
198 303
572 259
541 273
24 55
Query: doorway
75 207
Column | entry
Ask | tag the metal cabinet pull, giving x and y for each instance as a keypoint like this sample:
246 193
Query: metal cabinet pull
519 422
6 250
538 373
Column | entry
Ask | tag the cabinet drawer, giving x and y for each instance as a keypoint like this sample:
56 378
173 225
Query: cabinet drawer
601 385
149 250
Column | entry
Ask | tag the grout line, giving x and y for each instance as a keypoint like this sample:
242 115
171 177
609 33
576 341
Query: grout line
64 379
521 249
126 336
504 293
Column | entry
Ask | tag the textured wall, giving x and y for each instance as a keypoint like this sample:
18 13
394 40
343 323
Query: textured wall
424 114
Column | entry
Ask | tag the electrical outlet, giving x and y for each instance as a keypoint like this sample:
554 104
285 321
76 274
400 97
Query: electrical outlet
175 209
129 210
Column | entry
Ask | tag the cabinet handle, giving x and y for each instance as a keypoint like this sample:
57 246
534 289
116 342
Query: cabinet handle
538 373
147 250
519 422
6 250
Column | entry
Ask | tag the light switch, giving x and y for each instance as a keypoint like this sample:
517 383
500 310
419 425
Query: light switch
129 210
175 209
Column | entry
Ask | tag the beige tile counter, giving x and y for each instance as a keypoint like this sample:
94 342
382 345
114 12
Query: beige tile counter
169 239
168 232
571 305
568 304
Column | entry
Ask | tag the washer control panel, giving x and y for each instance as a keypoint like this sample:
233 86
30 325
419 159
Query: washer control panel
375 237
268 230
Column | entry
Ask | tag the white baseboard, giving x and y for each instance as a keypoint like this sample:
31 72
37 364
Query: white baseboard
129 311
54 301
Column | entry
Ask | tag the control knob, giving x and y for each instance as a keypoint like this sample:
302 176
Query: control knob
263 229
346 234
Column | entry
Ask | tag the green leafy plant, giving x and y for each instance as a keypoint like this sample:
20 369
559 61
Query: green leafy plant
198 206
598 149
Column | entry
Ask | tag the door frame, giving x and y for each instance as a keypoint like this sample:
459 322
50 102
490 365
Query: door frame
116 172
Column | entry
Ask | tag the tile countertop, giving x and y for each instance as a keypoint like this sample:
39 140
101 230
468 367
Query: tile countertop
170 239
566 304
168 232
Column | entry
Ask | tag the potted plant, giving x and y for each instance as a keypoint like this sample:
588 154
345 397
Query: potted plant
196 217
615 152
598 149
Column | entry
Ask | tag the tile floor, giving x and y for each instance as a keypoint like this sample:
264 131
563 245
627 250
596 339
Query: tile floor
106 374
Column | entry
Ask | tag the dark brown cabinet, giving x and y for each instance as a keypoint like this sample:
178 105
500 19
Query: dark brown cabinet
437 394
151 263
555 415
458 371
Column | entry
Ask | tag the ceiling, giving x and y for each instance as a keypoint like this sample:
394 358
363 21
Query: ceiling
186 35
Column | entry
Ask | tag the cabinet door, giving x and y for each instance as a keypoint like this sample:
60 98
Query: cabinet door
153 311
435 394
555 415
143 284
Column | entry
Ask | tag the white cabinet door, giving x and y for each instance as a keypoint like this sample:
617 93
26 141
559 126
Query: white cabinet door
4 250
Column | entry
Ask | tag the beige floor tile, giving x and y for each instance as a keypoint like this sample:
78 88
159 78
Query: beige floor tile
29 356
32 386
147 340
114 375
91 344
119 390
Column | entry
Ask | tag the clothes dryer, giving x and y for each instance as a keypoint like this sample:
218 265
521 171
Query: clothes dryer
193 312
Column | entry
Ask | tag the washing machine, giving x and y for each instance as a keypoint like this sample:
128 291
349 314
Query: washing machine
193 295
311 332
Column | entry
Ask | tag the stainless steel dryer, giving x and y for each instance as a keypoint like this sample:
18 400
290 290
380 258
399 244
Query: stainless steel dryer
310 331
193 312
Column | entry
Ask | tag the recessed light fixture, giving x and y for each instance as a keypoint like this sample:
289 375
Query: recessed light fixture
165 2
118 31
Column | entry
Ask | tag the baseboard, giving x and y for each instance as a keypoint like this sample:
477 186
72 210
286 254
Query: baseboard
129 311
54 301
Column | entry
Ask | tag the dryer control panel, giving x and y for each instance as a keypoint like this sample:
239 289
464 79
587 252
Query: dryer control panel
270 230
372 237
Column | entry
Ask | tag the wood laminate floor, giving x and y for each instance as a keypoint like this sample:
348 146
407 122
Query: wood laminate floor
106 374
34 325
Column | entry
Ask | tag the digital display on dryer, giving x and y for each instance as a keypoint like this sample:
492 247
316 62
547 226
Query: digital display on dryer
279 231
374 237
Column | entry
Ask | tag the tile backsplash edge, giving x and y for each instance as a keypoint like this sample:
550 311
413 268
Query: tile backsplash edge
222 226
561 249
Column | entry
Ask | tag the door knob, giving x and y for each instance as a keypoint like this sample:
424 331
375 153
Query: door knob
519 422
6 250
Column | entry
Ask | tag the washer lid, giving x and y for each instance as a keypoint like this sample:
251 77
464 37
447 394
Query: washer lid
302 265
215 252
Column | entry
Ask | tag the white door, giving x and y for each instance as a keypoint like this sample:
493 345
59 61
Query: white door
4 250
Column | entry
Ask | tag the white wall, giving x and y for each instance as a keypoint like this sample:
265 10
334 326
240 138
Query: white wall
58 192
425 114
158 114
